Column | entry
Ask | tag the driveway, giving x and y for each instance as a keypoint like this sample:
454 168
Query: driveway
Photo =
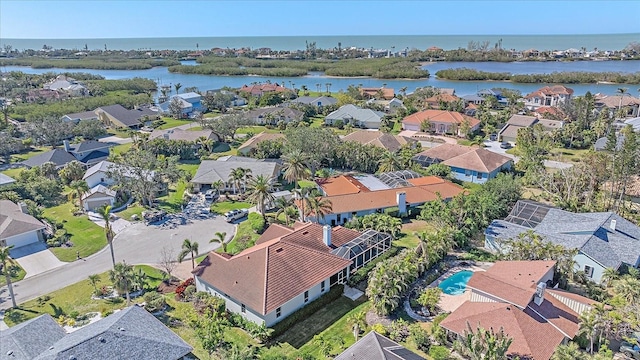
35 259
135 244
420 135
494 146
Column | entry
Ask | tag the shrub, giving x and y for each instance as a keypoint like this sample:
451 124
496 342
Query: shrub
399 330
189 292
155 301
257 222
430 298
182 287
74 314
420 337
379 328
362 274
439 353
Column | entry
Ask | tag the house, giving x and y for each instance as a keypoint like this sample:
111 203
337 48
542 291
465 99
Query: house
120 117
516 296
97 197
235 101
36 95
183 135
212 171
248 146
604 240
467 163
473 99
440 122
190 102
378 93
404 190
291 267
273 115
635 123
612 103
601 143
547 96
186 108
379 139
388 106
87 152
68 85
98 174
131 333
17 227
260 89
509 131
356 117
6 180
318 101
77 117
440 101
374 346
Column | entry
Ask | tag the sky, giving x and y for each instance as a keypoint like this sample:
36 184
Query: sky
70 19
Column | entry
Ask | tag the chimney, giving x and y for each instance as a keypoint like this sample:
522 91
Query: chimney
326 235
401 200
66 145
612 226
539 296
23 207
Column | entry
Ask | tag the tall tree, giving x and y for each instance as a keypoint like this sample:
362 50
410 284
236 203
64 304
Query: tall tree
220 239
189 247
295 166
389 162
94 280
5 262
178 86
122 276
78 189
318 206
483 344
105 215
259 192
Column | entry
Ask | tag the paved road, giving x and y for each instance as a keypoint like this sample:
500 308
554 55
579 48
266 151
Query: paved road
137 244
494 146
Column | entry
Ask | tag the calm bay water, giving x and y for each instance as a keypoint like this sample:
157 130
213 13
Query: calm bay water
205 82
519 42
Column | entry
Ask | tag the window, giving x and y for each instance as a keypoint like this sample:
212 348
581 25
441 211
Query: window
588 270
479 175
467 172
306 296
101 179
278 312
243 309
322 286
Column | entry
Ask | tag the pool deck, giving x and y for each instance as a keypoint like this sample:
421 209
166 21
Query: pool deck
449 303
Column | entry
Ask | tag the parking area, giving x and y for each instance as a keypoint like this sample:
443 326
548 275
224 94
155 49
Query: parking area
35 259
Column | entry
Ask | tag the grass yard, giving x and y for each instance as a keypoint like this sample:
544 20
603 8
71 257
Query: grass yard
14 173
256 130
195 128
35 150
244 232
134 209
87 237
224 206
171 123
568 155
17 273
223 149
76 297
172 202
190 166
121 148
407 238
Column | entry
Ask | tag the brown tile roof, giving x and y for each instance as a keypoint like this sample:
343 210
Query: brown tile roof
14 222
426 180
614 101
441 116
550 91
436 99
378 138
446 151
253 142
387 93
341 185
259 89
274 231
548 110
532 336
467 157
311 236
558 314
267 275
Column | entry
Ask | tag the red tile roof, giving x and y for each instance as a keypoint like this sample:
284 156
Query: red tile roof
341 185
259 89
550 91
467 157
436 99
387 93
440 116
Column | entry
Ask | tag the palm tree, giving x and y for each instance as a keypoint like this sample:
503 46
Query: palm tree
236 177
622 92
571 351
122 277
483 344
295 166
5 262
628 288
189 247
357 323
609 275
318 206
105 214
290 213
78 187
389 162
217 185
589 327
177 86
260 192
94 280
246 176
220 239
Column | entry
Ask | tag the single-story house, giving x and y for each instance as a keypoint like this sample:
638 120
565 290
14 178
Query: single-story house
273 115
378 93
211 171
186 108
17 227
440 122
183 135
389 106
509 131
318 101
131 333
604 240
355 116
252 143
260 89
517 297
378 138
77 117
291 267
57 156
87 152
467 163
6 180
98 174
97 197
120 117
68 85
361 198
473 99
436 101
235 101
374 346
547 96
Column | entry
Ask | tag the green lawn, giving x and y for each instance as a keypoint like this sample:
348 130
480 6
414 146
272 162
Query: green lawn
568 155
171 123
195 128
243 231
76 297
14 173
87 237
35 150
224 206
172 202
256 130
407 238
121 148
17 273
190 166
224 149
134 208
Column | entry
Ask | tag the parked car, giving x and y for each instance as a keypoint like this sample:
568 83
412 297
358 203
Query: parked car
234 215
505 145
211 195
493 137
632 351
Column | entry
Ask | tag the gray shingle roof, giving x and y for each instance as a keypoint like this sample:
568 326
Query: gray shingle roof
88 146
351 111
6 180
211 171
14 222
56 156
315 100
591 233
25 341
125 116
374 346
131 333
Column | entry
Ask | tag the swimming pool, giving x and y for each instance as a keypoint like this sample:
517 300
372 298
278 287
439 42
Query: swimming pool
456 284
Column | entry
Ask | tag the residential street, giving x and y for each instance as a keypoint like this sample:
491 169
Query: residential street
136 244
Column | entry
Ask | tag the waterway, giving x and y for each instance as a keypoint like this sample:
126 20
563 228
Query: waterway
318 80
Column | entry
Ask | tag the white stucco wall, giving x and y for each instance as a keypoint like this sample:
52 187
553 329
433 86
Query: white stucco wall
97 178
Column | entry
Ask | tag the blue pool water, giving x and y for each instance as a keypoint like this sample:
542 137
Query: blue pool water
456 283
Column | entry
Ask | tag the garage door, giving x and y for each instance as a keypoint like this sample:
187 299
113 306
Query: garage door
411 127
95 204
23 239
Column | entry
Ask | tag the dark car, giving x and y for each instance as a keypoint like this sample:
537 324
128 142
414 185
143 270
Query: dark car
505 145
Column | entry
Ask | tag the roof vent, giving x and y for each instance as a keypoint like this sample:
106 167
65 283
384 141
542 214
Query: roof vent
612 226
101 339
121 329
279 250
71 357
10 352
508 308
51 348
305 232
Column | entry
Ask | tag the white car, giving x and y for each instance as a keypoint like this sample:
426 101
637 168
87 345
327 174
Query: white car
234 215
